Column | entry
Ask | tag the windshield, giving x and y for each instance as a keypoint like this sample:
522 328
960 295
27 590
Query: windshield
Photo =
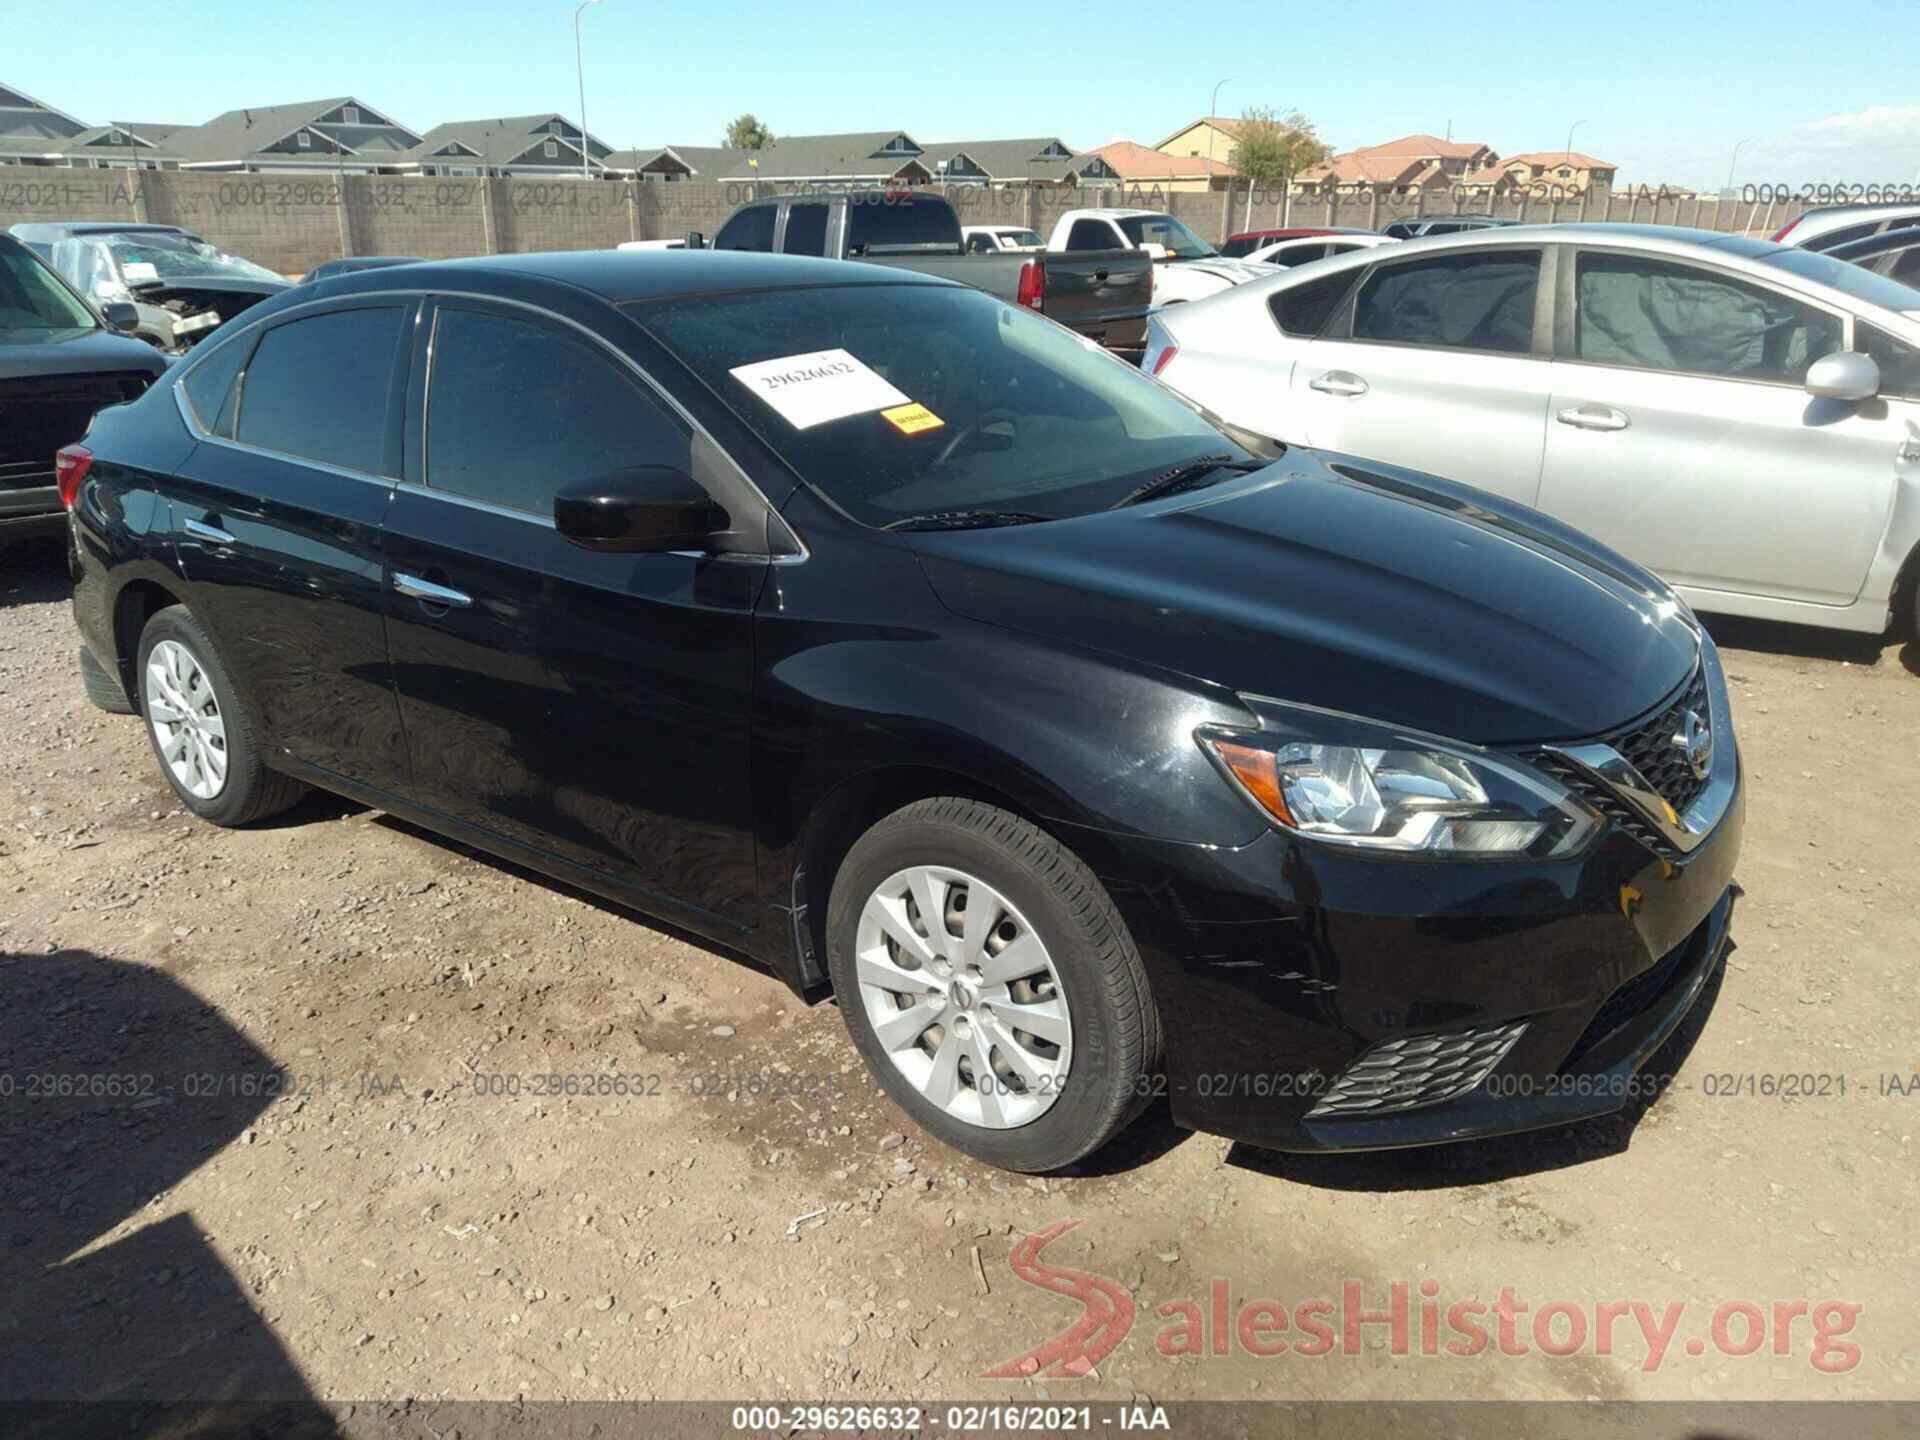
152 258
1848 278
907 400
32 297
1180 242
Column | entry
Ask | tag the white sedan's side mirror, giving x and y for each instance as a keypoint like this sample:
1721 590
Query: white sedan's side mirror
1844 375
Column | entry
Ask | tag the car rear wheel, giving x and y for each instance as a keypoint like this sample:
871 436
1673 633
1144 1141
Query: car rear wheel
202 732
990 984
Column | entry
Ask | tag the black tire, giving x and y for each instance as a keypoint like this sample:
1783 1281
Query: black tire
1116 1030
250 791
102 688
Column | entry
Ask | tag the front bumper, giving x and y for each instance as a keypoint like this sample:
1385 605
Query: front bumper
1280 967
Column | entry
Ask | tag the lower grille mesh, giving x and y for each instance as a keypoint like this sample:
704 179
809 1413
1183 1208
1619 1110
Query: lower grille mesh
1418 1070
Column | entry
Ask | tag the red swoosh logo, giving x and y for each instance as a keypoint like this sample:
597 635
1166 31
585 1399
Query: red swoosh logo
1090 1339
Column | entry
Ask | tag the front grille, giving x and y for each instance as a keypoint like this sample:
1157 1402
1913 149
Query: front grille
1649 748
1418 1070
40 413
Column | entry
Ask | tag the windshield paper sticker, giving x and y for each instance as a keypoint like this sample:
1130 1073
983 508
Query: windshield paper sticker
912 419
139 271
810 390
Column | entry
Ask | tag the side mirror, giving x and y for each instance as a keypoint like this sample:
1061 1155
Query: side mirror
696 240
121 316
646 509
1844 375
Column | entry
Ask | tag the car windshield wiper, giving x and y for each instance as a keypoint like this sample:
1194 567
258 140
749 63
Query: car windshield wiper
1183 476
965 520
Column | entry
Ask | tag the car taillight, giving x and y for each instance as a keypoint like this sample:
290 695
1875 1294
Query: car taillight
70 467
1160 361
1786 230
1033 285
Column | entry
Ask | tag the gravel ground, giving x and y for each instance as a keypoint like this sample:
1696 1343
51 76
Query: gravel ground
318 1182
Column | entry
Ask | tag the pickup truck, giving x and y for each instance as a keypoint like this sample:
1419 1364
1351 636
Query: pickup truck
1185 266
1102 295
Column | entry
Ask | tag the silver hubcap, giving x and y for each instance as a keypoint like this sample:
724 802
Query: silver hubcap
964 997
186 720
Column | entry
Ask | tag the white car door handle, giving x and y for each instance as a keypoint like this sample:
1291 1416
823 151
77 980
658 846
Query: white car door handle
428 591
1338 382
1594 417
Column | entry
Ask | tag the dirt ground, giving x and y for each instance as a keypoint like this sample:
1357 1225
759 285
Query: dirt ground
305 1156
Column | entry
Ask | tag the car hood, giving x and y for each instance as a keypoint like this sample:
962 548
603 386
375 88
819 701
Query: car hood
1234 272
25 353
1333 582
208 285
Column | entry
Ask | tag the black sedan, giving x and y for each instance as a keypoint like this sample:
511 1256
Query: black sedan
934 659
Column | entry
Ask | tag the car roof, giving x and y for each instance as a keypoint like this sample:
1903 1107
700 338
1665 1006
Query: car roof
617 276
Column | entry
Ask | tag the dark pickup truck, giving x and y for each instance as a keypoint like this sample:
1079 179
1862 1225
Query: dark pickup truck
1103 295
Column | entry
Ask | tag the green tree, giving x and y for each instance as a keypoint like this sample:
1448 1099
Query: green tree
747 133
1273 148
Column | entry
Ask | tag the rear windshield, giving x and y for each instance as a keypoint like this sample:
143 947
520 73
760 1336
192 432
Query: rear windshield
32 297
1007 411
1846 277
883 223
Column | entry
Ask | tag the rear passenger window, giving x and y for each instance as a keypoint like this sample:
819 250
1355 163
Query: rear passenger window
519 408
1463 302
806 230
212 386
1648 313
318 389
751 229
1302 310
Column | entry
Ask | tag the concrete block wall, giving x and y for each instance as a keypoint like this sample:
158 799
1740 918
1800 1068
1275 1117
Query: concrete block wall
293 222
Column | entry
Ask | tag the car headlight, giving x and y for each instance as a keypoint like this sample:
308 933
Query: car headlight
1373 787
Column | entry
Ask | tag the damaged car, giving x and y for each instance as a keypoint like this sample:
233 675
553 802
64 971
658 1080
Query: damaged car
182 288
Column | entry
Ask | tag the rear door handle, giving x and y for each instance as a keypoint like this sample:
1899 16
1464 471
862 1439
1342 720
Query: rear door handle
431 593
1594 417
200 530
1338 382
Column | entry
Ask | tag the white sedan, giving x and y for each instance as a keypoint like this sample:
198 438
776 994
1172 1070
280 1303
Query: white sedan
1303 249
1739 416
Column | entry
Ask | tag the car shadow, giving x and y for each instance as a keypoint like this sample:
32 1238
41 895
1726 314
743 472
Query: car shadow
1505 1157
33 572
118 1316
1775 637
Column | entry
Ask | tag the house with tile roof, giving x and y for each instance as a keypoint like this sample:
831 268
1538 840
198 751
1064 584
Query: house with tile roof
1134 164
878 157
1412 162
1568 170
547 144
340 134
118 146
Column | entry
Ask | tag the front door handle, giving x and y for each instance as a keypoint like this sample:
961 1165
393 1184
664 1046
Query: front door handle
1594 417
200 530
1338 382
430 593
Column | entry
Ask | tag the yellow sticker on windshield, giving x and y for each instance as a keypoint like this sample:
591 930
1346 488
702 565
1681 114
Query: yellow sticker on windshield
912 419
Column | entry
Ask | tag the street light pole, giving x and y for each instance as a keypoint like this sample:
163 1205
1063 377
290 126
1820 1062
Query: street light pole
1570 129
580 73
1735 161
1226 196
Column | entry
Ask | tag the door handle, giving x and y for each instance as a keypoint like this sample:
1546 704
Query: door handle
200 530
1338 382
1594 417
430 593
1100 277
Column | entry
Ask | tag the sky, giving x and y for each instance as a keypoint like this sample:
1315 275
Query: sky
1661 91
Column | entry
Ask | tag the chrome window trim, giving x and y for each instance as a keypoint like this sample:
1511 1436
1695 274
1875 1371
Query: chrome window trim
801 554
1684 832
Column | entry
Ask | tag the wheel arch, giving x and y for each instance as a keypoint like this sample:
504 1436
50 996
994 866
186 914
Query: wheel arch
134 604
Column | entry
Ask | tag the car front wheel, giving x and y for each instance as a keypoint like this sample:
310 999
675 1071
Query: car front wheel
990 984
201 729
